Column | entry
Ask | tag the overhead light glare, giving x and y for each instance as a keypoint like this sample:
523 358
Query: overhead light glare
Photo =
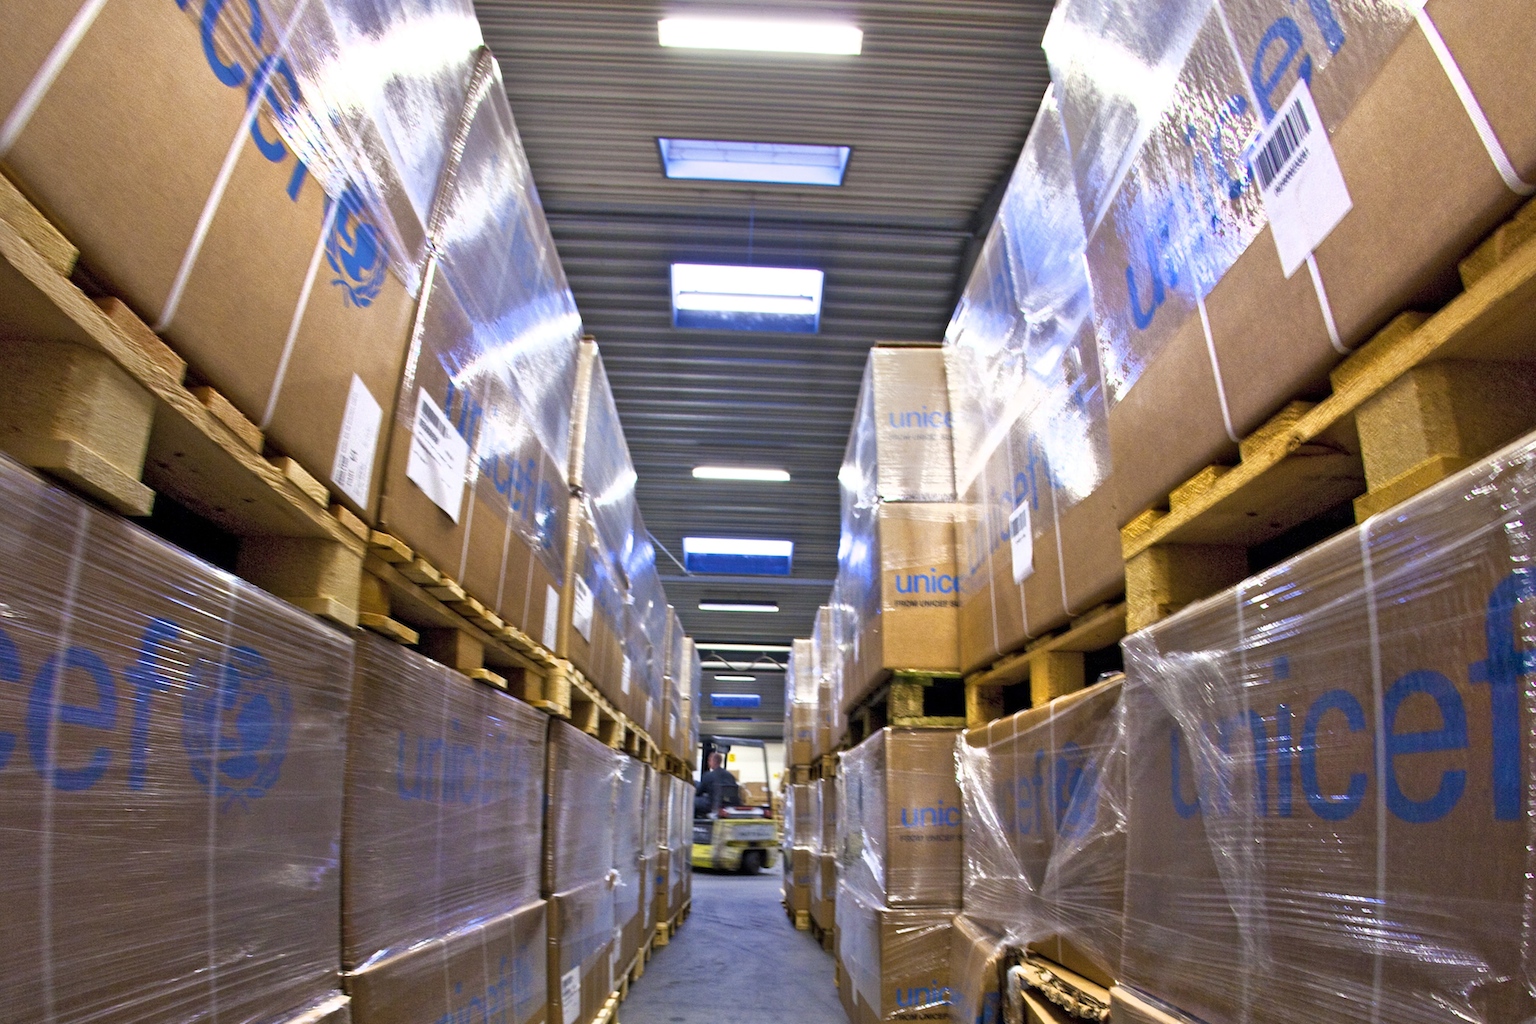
767 476
738 606
736 298
760 35
739 556
735 700
735 679
776 163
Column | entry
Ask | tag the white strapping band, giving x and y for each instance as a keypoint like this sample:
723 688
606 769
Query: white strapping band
1485 132
1379 745
26 106
1322 303
1221 388
298 315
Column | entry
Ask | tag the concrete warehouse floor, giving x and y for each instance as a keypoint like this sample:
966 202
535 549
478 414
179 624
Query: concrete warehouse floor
737 960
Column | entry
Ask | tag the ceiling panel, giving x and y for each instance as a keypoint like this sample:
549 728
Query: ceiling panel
936 110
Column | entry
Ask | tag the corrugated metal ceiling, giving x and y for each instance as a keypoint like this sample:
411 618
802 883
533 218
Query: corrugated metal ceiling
936 110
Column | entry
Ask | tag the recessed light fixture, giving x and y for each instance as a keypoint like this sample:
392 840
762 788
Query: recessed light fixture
735 700
738 556
738 606
735 298
761 35
777 163
766 476
735 679
765 648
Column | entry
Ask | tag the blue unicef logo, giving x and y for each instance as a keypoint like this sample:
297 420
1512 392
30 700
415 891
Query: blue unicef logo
235 721
355 252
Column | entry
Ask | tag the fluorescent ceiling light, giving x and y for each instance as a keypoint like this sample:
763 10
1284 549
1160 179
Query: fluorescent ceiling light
767 476
738 606
738 556
764 36
735 700
735 679
765 648
734 298
777 163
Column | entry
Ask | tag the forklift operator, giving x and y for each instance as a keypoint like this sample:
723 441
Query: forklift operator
717 788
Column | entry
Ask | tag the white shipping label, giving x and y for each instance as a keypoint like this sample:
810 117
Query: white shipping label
439 457
581 617
570 995
352 472
1022 540
624 677
1299 178
551 616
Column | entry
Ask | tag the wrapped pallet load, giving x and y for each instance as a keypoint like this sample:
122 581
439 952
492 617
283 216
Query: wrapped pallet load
1328 765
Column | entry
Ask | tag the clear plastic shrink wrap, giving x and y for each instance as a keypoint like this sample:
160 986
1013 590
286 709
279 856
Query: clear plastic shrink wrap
802 693
581 940
1329 813
492 970
802 816
975 954
1037 535
628 861
896 552
582 781
899 819
171 755
444 803
898 961
1045 828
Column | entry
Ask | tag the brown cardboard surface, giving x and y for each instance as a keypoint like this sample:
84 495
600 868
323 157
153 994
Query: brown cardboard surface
130 662
579 825
580 952
444 802
974 955
126 164
497 966
801 749
914 457
914 964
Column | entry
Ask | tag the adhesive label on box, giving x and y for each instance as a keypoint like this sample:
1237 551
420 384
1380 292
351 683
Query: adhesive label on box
570 995
551 617
439 457
581 616
1299 179
624 676
352 472
1021 539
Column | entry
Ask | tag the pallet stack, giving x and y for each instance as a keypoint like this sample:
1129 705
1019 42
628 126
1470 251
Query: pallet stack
1219 338
323 355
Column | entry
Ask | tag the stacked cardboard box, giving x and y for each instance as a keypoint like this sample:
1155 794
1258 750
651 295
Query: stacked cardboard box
900 857
802 844
442 833
171 764
824 873
1045 798
1328 810
581 832
896 559
1162 277
802 693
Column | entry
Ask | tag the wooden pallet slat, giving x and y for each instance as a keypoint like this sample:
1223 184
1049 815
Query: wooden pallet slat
1052 666
1427 396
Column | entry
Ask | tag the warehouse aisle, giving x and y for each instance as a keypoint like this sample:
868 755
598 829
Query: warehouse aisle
736 960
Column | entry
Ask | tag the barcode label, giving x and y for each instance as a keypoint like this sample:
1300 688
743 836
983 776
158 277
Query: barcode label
1289 132
1299 179
439 457
352 469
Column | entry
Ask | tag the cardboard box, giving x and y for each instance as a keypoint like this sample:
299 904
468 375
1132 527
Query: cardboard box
901 841
579 823
666 860
800 743
444 802
495 970
581 961
1127 1006
281 297
824 880
974 977
1045 862
898 960
335 1010
903 427
1350 714
172 777
1399 131
908 594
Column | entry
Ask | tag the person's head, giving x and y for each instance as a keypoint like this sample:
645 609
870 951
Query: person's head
716 760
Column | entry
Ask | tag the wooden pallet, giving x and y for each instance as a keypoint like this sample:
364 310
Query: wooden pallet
100 402
798 774
825 767
1426 397
825 936
911 700
609 1014
1052 666
801 919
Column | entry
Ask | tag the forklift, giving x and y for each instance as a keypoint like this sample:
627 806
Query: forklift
729 835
